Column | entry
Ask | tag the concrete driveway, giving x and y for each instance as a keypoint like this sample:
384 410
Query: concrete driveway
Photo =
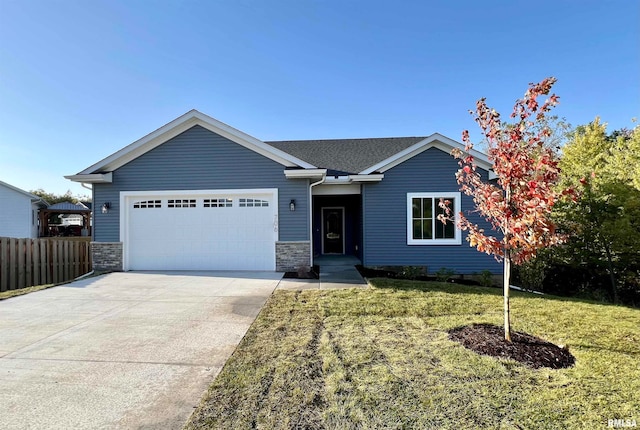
123 350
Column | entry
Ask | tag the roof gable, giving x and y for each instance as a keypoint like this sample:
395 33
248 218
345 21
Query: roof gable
178 126
436 140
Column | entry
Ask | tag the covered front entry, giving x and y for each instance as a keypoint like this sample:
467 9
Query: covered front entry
337 228
200 230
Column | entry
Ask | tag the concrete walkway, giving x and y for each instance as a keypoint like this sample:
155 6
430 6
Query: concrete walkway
336 272
124 350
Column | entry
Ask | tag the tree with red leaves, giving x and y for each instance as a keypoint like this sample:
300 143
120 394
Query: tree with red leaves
518 205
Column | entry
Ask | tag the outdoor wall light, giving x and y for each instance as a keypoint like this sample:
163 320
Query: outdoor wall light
105 207
292 205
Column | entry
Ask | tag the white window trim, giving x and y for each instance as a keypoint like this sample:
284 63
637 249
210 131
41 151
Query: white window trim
457 240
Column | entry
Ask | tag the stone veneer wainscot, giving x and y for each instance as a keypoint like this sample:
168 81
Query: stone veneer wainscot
106 256
290 256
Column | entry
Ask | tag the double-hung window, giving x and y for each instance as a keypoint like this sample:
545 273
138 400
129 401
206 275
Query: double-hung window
423 226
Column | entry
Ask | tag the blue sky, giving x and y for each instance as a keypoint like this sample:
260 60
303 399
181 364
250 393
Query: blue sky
81 79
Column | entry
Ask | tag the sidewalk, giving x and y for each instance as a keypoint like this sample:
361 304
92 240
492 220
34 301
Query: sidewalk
336 272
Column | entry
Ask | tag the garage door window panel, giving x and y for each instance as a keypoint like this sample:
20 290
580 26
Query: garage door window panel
253 203
181 203
218 203
148 204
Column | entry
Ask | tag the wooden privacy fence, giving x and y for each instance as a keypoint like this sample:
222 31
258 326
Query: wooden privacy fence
28 262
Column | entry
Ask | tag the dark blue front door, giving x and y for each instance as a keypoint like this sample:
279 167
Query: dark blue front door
333 230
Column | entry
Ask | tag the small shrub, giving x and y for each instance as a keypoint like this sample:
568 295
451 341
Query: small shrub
412 272
485 278
532 273
444 274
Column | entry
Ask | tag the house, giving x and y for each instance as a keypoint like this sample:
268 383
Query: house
197 194
19 212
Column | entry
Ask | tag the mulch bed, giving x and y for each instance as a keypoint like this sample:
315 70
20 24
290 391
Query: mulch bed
368 272
488 339
304 273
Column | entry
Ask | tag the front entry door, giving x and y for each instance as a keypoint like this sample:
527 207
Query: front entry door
333 230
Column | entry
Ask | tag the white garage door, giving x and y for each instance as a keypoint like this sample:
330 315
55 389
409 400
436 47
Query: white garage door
213 230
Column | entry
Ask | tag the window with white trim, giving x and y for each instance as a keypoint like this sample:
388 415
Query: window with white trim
181 203
423 226
253 203
218 203
147 204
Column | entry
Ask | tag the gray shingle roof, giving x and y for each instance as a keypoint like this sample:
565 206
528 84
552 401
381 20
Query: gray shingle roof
345 155
68 206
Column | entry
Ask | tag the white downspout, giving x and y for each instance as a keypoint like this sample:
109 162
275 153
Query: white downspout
93 208
311 217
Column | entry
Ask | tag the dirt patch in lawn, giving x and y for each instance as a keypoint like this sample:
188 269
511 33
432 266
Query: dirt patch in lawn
488 339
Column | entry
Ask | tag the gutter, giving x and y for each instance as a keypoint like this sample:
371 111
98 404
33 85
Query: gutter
92 178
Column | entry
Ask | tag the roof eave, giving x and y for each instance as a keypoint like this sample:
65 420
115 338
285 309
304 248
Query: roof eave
92 178
40 202
305 173
23 192
377 177
351 179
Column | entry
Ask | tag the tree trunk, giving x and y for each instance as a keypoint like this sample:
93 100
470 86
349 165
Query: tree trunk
507 309
612 273
507 266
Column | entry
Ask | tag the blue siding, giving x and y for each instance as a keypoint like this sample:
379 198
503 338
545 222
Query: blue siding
199 159
385 218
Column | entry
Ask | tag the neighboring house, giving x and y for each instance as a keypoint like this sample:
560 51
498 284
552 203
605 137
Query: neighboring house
19 212
197 194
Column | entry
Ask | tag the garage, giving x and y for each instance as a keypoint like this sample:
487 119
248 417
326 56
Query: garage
199 230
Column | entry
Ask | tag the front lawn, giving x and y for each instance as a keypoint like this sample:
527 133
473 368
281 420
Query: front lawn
381 358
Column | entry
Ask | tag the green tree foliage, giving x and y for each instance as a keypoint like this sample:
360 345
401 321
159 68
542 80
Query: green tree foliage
606 158
604 222
53 198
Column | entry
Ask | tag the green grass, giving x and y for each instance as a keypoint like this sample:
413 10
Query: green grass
381 358
19 292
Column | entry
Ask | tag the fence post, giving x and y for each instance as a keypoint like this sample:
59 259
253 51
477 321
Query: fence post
4 264
65 266
53 259
44 262
21 263
28 279
13 263
36 261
